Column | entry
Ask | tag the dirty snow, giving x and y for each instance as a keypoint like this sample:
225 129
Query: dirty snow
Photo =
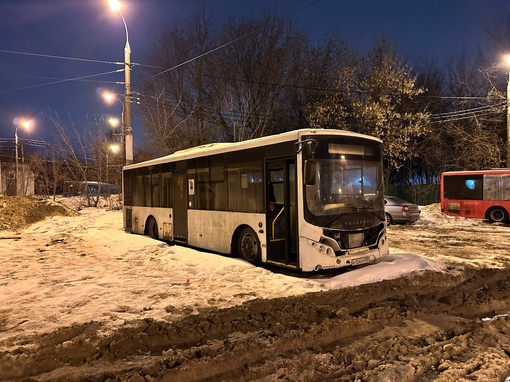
67 270
69 282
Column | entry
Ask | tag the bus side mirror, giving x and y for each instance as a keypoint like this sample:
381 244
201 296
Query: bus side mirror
310 171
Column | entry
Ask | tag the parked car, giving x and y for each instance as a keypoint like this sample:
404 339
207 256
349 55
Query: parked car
400 211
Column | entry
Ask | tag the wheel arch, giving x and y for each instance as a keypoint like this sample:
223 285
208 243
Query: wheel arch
235 238
147 224
505 212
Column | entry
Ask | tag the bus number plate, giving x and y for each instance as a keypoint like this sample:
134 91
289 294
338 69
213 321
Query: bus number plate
361 260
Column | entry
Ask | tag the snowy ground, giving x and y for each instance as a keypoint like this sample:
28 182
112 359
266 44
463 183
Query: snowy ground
67 272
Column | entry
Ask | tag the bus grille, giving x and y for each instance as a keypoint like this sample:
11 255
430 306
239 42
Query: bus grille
355 239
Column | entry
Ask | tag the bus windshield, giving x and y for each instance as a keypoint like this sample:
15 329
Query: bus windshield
344 186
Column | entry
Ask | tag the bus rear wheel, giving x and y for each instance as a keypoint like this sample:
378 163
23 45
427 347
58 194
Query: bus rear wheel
248 246
498 215
152 228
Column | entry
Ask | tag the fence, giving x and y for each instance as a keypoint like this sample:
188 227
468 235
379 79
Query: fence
421 194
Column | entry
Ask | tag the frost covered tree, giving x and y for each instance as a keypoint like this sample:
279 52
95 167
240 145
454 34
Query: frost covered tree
377 97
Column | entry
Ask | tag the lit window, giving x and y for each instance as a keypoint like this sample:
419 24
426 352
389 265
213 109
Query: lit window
470 183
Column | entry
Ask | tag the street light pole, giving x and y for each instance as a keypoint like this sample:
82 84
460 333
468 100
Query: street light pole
508 121
16 143
26 125
127 129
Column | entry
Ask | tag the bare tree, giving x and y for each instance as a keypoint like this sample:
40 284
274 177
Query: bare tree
173 107
49 173
84 152
247 79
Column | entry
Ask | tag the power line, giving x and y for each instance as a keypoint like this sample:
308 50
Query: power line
61 81
467 113
60 57
54 78
472 110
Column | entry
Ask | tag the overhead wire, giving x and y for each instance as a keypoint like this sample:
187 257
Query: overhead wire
440 117
468 113
61 81
60 57
56 78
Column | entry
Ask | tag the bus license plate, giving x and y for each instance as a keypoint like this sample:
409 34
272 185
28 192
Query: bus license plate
361 260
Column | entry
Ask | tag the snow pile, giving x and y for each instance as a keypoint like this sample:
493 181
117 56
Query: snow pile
19 212
431 214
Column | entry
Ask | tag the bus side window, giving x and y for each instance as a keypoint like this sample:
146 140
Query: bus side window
464 187
128 188
245 187
155 188
138 190
166 189
271 198
276 181
147 191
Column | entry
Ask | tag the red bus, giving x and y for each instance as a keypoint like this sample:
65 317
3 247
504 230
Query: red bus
483 194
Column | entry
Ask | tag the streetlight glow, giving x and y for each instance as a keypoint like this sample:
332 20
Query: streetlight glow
109 97
114 122
26 124
114 148
22 122
114 5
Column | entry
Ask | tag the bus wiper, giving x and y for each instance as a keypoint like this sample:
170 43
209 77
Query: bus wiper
370 210
329 224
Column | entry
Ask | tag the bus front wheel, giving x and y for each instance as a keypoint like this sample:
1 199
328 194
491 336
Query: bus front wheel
497 215
152 228
248 246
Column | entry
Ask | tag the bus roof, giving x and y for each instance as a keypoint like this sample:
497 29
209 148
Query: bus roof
493 171
222 147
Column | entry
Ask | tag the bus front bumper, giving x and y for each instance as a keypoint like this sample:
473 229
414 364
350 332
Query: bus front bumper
318 256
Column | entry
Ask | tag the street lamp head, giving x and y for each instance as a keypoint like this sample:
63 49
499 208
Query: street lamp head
26 124
114 148
22 122
108 97
114 5
114 122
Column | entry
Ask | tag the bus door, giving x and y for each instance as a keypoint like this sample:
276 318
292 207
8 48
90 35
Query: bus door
281 212
180 218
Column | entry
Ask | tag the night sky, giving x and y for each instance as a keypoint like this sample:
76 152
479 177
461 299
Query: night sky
32 84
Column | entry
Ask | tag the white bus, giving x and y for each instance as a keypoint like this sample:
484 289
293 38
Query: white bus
305 199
